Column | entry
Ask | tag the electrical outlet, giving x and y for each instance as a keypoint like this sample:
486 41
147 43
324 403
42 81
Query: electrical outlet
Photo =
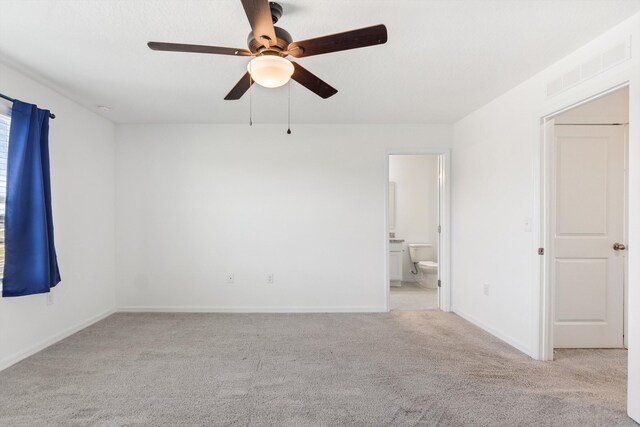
486 288
270 278
230 278
49 298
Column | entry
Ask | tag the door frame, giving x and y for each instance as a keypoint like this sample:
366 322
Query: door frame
546 302
444 213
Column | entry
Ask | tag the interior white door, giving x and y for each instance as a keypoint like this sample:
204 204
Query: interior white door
588 202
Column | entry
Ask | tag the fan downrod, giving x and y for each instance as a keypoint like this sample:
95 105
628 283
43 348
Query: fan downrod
276 11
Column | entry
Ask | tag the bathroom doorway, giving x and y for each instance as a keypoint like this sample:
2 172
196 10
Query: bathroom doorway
414 231
587 226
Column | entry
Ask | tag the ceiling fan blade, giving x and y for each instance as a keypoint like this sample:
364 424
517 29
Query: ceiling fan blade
194 48
312 82
354 39
240 88
259 14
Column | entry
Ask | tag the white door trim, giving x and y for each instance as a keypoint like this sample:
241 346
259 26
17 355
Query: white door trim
544 334
444 187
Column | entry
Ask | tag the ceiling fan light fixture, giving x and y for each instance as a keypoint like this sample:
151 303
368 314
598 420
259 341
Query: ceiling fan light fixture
270 71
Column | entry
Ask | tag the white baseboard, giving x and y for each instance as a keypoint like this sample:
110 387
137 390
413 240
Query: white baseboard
223 309
31 350
509 340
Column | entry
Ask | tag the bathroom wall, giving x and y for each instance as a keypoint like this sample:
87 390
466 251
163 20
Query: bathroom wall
198 202
416 178
82 150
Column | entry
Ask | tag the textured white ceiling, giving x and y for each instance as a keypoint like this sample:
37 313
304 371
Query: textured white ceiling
444 58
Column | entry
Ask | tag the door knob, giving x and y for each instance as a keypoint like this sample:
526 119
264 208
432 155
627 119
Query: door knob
619 247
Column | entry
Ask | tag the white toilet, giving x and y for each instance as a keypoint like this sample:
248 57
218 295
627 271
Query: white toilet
423 257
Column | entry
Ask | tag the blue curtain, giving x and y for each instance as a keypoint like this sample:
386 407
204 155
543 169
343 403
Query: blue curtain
30 264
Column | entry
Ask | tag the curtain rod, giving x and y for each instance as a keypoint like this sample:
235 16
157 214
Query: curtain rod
8 98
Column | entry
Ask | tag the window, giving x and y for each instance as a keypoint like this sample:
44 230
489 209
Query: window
5 123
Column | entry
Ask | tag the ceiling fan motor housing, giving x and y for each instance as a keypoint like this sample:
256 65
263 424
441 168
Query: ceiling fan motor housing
281 45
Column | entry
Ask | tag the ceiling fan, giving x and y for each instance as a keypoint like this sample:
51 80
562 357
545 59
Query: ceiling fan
270 46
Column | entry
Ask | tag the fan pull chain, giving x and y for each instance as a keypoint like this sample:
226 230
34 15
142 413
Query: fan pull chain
250 98
289 111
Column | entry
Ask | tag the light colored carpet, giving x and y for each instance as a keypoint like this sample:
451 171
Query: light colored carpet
409 296
399 368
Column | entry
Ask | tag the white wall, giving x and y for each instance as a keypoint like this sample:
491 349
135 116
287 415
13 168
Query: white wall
416 178
496 164
82 153
196 202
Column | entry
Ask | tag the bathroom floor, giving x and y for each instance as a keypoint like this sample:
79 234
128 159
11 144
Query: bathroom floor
410 296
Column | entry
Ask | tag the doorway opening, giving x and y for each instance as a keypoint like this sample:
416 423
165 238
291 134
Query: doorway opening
414 225
585 227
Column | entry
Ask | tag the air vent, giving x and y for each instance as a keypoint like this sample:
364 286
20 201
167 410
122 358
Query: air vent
591 68
615 55
594 66
571 78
